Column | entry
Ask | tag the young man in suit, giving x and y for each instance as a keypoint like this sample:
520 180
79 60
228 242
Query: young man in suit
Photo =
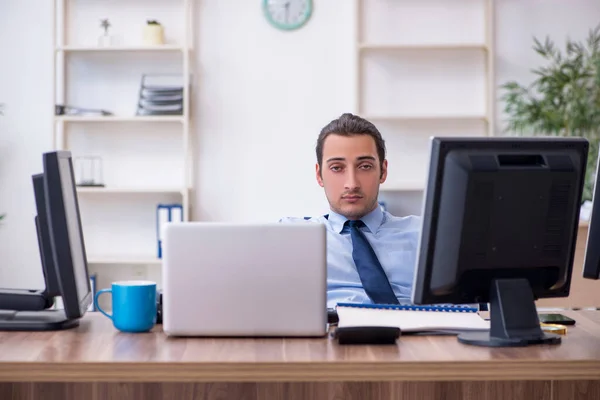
371 254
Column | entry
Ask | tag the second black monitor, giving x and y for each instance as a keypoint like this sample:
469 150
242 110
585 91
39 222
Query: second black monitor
500 223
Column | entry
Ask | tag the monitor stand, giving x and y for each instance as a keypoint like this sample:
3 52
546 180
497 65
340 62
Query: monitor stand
46 320
513 318
25 300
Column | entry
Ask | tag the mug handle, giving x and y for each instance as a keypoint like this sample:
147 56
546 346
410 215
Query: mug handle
98 293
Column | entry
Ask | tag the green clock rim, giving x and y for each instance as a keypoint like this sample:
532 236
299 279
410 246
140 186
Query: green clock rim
288 27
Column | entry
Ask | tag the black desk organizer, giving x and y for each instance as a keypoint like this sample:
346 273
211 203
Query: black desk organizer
362 334
366 335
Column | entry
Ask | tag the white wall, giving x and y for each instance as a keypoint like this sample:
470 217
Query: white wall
261 97
26 88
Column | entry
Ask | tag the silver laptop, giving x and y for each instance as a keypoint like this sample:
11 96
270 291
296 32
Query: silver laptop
232 279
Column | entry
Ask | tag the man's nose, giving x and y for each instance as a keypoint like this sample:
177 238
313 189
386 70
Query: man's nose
351 181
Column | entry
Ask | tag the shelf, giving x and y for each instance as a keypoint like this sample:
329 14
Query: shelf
110 118
77 48
129 190
424 118
432 46
125 260
403 187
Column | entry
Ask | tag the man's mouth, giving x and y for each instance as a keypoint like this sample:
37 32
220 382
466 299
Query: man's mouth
352 198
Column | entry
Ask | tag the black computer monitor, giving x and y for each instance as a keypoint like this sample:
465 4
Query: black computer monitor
62 248
591 262
500 220
66 233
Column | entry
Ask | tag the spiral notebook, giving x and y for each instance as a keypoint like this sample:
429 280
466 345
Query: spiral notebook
409 318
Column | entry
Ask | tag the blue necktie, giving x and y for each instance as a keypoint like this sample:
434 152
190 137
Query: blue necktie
371 273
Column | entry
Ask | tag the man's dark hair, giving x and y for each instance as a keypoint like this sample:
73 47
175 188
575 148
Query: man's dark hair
350 125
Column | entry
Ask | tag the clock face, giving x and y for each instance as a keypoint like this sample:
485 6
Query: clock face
287 14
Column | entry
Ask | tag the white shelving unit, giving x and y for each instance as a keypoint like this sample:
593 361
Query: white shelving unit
130 190
424 118
111 118
423 68
86 76
75 48
428 46
129 260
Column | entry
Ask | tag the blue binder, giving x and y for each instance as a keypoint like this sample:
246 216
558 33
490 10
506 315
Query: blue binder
166 213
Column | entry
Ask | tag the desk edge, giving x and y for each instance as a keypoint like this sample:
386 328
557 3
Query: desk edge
491 370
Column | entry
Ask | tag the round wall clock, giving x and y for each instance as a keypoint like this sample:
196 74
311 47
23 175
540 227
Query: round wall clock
287 14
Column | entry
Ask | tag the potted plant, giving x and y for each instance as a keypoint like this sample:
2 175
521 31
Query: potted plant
564 98
154 33
105 39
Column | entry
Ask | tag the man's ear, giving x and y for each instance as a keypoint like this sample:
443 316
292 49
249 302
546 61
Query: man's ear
319 177
384 167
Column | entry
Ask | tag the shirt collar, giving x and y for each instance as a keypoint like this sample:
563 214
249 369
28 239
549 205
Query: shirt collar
372 220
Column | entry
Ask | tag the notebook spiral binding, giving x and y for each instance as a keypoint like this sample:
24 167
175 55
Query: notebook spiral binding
442 308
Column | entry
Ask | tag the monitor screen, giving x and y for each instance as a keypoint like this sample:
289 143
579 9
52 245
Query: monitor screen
66 233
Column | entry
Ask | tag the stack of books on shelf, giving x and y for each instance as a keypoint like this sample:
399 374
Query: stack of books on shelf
161 95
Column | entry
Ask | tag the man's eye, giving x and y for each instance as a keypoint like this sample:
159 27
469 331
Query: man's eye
366 166
335 168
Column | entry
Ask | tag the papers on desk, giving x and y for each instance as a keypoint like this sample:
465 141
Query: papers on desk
411 318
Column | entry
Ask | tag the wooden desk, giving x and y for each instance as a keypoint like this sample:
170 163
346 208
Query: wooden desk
94 361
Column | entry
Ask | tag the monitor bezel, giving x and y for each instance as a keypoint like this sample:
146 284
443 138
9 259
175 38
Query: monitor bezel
440 147
59 234
591 256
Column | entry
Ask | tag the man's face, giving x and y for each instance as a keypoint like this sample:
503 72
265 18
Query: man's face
350 174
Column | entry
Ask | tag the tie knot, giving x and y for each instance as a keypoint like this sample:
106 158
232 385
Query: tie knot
355 224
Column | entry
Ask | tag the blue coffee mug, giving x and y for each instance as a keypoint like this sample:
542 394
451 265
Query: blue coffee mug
133 305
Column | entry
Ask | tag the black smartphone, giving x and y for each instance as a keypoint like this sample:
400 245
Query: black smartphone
556 319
